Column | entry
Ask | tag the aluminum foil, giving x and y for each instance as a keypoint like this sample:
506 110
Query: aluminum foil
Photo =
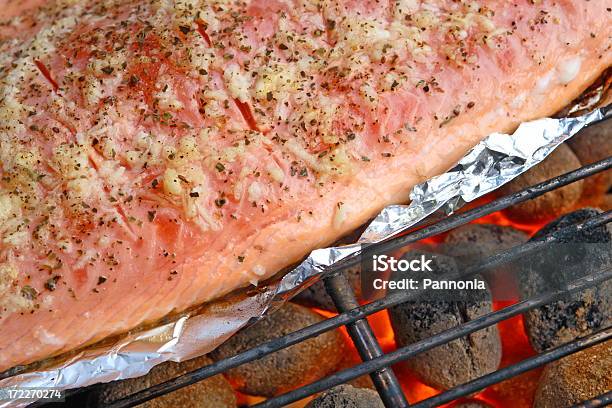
495 161
492 163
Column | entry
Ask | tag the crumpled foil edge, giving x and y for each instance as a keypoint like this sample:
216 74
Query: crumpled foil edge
493 162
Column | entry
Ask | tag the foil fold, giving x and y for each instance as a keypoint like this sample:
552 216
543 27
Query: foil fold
493 162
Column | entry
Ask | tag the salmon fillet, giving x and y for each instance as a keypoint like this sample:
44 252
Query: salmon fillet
158 154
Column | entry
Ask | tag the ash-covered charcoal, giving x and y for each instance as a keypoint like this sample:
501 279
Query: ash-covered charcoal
590 145
288 368
477 241
574 256
576 378
460 360
474 243
346 396
553 203
214 392
316 295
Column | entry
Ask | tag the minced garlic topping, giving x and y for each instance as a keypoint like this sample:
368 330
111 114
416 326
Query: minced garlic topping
120 119
11 299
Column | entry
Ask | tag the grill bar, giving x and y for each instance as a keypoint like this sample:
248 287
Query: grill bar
375 362
434 341
393 299
518 368
366 343
460 219
335 322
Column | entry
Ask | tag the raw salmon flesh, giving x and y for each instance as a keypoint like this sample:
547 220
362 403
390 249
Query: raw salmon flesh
158 154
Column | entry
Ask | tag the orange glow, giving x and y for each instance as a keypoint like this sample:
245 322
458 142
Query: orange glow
516 392
500 219
414 389
513 393
381 325
327 314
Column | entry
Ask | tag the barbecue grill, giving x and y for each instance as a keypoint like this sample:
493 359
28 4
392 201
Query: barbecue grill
378 364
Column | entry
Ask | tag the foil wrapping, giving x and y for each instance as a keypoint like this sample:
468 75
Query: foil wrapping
493 162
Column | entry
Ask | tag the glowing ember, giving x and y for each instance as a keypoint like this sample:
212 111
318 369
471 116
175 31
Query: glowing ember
516 392
498 218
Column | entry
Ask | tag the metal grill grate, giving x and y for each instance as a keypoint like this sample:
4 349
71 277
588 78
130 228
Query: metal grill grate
377 364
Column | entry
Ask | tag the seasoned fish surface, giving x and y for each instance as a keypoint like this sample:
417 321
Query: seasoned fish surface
158 154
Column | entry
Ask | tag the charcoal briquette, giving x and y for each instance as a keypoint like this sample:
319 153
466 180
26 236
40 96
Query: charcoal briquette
578 377
553 203
214 392
477 241
288 368
590 145
346 396
574 256
474 243
460 360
